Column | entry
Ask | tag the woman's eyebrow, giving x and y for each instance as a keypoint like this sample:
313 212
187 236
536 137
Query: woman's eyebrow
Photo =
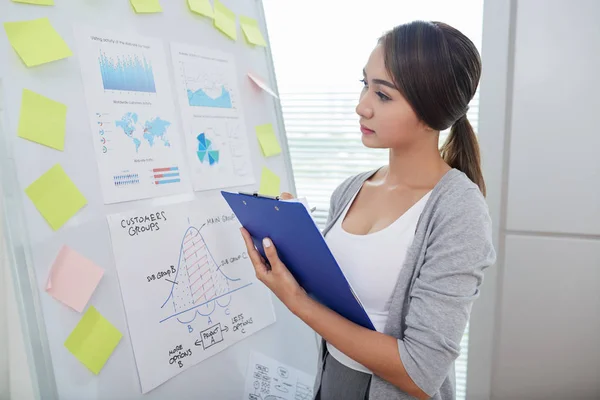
381 81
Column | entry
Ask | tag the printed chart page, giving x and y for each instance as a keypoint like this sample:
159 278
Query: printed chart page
268 379
215 132
188 286
133 121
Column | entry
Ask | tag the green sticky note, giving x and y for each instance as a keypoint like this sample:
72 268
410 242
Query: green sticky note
36 41
225 20
267 139
42 120
146 6
93 340
269 183
56 197
36 2
201 7
252 31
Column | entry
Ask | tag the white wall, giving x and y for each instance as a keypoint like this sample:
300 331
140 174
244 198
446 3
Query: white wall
535 333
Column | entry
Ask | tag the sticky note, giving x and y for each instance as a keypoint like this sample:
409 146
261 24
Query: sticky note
36 41
36 2
93 340
269 183
252 31
225 20
146 6
56 197
262 84
73 278
267 139
201 7
42 120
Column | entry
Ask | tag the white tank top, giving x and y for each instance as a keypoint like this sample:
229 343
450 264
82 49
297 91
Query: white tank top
371 264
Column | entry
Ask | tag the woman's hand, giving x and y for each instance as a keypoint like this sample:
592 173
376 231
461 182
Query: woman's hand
279 279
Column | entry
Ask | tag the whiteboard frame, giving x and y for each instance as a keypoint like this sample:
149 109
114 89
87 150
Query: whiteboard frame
19 259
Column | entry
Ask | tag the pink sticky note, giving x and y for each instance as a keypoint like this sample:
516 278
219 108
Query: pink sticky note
73 278
261 84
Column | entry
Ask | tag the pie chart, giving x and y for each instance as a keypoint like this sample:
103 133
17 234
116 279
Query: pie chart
206 153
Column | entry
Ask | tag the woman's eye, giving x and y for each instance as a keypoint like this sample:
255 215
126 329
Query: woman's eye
382 96
364 82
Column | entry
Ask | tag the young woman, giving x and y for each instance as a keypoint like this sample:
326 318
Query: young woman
412 237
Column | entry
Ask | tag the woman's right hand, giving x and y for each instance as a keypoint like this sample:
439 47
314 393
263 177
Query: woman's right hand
286 196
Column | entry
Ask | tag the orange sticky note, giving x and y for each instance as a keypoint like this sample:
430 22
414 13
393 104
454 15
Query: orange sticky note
73 278
262 84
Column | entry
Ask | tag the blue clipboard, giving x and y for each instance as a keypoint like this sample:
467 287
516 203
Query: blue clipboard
301 247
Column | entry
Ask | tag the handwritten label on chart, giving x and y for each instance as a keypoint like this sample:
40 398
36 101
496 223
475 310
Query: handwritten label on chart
268 379
187 284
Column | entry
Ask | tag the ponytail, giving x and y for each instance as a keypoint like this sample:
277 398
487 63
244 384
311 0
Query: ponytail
461 151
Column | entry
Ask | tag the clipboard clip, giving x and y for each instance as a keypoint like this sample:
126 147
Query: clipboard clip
264 196
255 194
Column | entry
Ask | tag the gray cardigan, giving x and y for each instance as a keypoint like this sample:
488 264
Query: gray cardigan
437 285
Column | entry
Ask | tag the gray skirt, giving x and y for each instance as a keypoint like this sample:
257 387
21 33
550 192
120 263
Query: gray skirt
342 383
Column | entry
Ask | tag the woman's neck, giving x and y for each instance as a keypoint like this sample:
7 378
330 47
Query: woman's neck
416 168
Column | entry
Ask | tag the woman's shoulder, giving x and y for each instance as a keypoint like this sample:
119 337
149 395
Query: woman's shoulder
456 190
458 202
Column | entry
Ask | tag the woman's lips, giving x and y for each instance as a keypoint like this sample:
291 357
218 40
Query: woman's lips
366 131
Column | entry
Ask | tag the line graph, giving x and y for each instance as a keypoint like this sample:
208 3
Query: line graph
206 89
200 285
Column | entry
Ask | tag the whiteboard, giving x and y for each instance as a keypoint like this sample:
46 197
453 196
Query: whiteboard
33 245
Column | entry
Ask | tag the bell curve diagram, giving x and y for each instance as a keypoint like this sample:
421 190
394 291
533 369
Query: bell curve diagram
187 284
200 284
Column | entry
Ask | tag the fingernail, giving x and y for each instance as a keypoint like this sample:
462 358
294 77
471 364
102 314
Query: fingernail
267 242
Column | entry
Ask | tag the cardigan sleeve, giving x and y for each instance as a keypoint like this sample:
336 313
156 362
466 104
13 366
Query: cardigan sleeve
459 248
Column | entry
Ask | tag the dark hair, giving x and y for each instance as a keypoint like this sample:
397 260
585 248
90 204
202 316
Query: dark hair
437 69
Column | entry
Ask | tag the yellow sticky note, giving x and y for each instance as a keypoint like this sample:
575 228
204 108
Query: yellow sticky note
36 2
146 6
252 31
201 7
225 20
36 41
267 139
269 183
93 340
42 120
55 196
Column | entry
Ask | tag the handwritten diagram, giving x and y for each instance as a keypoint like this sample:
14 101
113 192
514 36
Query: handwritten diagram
187 284
268 379
200 284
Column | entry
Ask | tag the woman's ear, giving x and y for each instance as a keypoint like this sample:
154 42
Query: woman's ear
425 127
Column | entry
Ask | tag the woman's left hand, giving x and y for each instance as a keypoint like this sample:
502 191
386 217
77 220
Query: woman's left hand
279 279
